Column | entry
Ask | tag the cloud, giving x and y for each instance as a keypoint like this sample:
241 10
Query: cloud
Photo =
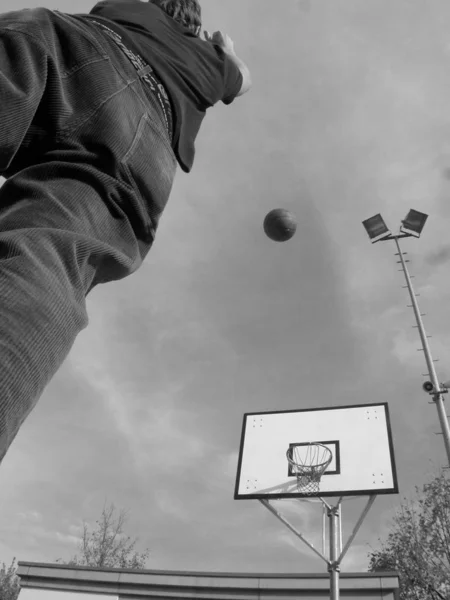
147 426
407 346
32 516
67 539
406 349
356 559
439 257
170 503
151 416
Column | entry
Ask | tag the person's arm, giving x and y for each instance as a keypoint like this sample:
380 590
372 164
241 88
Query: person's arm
247 79
226 44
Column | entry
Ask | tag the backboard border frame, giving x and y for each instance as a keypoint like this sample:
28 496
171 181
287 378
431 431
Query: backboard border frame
275 496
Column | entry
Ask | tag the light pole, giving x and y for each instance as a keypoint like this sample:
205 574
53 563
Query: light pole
412 226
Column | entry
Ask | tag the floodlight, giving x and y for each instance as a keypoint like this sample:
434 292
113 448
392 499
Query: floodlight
413 223
376 228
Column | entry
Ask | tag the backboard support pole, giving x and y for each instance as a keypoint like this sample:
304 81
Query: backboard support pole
324 525
279 516
335 536
356 528
334 566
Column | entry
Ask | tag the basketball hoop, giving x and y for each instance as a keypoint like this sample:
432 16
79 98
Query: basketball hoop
309 462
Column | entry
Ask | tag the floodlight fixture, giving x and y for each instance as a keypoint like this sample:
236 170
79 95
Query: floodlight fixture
376 228
412 226
413 223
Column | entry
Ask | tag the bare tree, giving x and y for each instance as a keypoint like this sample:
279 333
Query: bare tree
106 546
9 582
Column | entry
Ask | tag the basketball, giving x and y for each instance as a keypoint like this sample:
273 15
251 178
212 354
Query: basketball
280 225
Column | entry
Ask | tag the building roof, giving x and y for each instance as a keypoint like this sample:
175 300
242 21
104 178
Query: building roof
190 584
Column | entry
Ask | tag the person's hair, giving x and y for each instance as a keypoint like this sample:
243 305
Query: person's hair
186 12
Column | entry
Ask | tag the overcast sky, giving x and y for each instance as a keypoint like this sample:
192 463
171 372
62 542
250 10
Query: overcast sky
348 116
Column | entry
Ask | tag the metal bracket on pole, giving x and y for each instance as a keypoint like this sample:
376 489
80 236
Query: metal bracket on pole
324 502
357 527
336 551
279 516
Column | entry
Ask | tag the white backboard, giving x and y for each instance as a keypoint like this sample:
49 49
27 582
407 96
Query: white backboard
359 438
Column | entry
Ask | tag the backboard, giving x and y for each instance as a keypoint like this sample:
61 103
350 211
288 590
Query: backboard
358 436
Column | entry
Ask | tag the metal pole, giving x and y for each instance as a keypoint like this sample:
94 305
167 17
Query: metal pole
279 516
437 397
323 527
336 556
357 527
340 528
333 567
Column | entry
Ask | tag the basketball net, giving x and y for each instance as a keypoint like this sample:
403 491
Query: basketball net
309 465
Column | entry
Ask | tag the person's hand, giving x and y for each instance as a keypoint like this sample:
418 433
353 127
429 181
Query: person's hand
220 39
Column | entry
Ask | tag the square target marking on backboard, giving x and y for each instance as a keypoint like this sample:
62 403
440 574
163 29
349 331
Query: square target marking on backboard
334 468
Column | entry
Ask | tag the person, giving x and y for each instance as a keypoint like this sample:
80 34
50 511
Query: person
97 110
